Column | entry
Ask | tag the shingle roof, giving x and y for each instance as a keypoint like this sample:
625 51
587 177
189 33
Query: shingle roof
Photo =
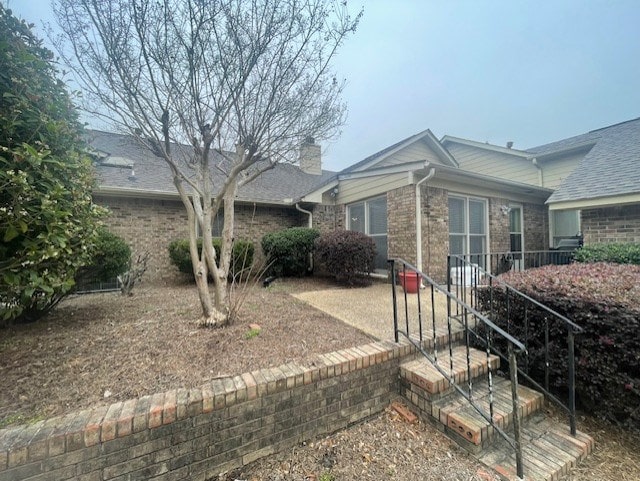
283 183
610 168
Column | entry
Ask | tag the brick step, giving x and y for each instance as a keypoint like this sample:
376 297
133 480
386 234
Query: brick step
548 450
472 430
422 374
441 338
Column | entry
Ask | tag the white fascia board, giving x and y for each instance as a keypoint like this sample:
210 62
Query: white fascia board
491 147
316 195
610 201
392 169
404 144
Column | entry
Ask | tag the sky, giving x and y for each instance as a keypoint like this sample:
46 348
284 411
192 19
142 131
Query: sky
530 72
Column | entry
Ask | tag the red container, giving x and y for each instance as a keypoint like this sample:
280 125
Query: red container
409 281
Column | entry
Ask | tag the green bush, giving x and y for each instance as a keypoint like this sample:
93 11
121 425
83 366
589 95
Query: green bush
619 253
287 251
111 257
48 221
241 255
346 255
602 298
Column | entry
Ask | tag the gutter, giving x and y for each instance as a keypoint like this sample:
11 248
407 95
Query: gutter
429 175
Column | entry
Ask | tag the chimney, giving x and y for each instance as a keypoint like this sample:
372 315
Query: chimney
509 144
310 157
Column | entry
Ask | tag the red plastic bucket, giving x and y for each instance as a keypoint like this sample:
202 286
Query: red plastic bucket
409 281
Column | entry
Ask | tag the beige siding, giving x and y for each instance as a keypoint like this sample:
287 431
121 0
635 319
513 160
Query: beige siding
481 191
556 170
417 151
496 164
352 190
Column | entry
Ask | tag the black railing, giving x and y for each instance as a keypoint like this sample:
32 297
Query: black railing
500 262
537 326
469 319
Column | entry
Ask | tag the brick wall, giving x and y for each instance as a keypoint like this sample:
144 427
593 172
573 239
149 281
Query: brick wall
435 232
151 225
401 223
499 225
327 218
611 224
196 434
536 227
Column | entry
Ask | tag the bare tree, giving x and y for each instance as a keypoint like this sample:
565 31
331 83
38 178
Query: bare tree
250 77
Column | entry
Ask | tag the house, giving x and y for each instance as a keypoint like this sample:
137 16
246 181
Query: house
420 199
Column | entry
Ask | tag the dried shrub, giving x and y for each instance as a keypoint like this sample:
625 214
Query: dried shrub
287 251
604 300
346 255
619 253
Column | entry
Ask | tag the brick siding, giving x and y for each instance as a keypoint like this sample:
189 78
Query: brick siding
147 224
197 433
611 224
327 218
401 222
536 227
435 232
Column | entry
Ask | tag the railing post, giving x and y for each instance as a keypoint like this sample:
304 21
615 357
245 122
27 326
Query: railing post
513 374
394 297
572 381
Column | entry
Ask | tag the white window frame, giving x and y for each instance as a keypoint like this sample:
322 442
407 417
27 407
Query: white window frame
367 229
552 227
521 209
467 234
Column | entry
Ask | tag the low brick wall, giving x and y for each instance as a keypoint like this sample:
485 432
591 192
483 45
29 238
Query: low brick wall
196 434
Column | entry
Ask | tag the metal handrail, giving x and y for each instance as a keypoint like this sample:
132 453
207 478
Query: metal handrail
515 347
572 329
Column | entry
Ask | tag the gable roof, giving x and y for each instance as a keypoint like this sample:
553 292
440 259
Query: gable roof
378 157
119 154
610 169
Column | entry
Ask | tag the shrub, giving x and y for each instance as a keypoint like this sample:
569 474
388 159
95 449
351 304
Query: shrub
347 255
241 255
111 257
287 251
48 222
601 298
620 253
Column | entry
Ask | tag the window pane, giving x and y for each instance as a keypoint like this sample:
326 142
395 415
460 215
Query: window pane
476 217
356 217
566 223
456 216
515 224
456 244
477 244
378 216
381 251
516 242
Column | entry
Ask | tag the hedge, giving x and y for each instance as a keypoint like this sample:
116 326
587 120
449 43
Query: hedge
619 253
346 255
287 251
241 255
603 299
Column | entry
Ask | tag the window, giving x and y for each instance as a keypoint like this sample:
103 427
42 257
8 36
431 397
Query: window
467 225
370 217
516 235
564 224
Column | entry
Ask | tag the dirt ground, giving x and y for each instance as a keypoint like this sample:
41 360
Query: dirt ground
102 348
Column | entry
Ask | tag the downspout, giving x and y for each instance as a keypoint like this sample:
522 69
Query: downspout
534 161
310 214
429 175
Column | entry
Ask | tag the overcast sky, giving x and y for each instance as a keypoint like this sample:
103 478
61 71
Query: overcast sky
527 71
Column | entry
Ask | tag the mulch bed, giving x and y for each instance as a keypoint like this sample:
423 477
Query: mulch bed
103 348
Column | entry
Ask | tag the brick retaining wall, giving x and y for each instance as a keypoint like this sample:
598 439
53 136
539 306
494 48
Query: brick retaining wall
196 434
